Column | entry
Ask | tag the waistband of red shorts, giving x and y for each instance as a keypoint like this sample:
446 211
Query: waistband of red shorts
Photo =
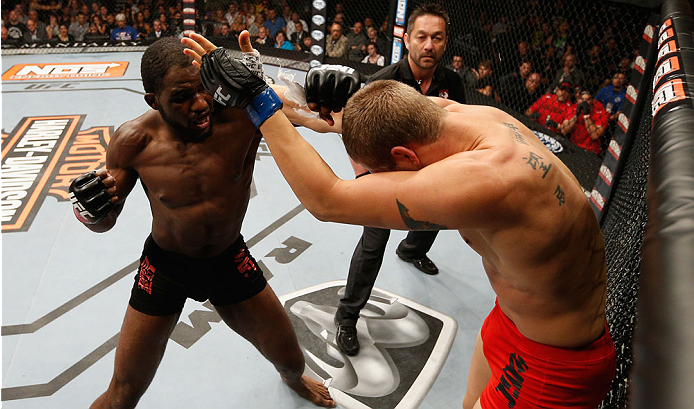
597 350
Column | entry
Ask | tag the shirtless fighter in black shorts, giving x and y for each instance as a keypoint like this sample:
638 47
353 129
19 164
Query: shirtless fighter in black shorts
195 161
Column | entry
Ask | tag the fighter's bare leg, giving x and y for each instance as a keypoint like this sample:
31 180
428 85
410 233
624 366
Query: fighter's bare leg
478 377
141 346
263 321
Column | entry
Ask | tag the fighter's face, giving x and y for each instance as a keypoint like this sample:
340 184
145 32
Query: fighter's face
185 104
427 41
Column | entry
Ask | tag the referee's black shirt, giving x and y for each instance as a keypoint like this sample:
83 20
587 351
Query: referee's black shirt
445 83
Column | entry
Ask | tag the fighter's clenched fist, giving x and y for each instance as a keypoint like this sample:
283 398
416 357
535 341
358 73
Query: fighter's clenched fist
93 196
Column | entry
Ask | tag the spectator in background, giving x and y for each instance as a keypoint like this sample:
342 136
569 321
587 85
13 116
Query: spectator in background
237 26
298 34
523 52
15 28
336 45
94 35
254 27
486 82
511 86
569 73
111 22
3 34
100 25
293 28
356 40
157 31
563 40
552 109
65 16
63 34
123 32
373 37
369 22
588 124
53 28
625 65
613 96
224 30
40 25
217 20
531 93
19 12
33 34
467 74
281 41
340 19
262 39
374 56
103 12
79 27
287 14
595 69
306 44
232 12
273 23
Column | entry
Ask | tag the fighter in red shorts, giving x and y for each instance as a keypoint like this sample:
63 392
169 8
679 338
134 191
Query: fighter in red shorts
527 374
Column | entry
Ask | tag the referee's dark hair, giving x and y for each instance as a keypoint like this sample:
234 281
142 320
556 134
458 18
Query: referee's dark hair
434 9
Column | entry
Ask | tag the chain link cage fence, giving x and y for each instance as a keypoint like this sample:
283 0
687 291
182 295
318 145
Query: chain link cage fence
561 67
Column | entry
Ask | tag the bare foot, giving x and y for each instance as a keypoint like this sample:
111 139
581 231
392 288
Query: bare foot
312 390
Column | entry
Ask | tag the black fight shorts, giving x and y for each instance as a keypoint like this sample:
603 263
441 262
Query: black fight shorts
166 279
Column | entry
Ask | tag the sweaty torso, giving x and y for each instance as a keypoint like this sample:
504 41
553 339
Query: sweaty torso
545 257
198 190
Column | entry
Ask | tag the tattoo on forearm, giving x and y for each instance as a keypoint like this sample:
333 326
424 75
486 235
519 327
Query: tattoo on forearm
413 224
516 134
535 162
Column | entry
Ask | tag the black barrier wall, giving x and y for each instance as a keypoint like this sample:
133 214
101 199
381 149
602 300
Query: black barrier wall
664 343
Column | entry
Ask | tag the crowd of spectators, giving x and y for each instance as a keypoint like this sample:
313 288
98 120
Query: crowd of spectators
531 61
564 69
68 21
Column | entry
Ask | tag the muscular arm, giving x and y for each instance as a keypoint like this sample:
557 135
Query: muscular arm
404 200
124 144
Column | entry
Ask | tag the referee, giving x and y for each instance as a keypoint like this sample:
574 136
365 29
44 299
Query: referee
425 40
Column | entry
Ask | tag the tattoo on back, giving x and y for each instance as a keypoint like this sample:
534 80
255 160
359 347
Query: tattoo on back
516 134
416 224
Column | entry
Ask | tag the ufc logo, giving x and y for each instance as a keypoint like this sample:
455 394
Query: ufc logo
79 207
219 97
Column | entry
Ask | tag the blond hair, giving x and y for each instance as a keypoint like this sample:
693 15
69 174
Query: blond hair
385 114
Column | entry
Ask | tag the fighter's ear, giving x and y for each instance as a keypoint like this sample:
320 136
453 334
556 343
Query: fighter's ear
405 158
151 100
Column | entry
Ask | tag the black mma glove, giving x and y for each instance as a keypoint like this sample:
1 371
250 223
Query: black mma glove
550 123
90 200
231 83
583 108
331 85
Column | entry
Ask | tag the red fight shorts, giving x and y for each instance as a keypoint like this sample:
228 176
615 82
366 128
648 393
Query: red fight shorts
527 374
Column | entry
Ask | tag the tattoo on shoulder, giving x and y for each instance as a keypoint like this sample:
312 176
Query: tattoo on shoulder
559 194
535 161
516 134
416 224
